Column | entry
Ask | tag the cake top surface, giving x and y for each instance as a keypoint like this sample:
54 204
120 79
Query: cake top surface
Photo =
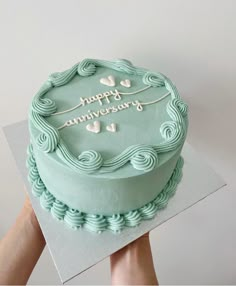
102 116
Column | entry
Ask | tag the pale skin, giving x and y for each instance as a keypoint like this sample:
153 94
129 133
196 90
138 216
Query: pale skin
23 244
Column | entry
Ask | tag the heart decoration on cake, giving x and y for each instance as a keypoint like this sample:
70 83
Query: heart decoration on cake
94 127
110 80
111 127
126 83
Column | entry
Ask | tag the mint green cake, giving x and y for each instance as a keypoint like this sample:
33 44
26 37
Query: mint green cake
105 144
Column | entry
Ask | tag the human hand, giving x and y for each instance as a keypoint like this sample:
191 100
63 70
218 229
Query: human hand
133 264
28 210
21 247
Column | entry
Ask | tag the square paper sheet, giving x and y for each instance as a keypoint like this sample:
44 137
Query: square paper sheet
75 251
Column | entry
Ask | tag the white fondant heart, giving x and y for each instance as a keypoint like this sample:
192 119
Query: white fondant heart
110 80
112 127
94 127
126 83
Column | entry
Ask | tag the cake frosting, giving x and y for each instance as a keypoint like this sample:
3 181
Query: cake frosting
105 144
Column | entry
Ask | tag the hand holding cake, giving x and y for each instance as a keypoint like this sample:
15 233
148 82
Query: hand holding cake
131 265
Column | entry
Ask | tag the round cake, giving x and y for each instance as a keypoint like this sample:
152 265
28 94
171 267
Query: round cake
105 144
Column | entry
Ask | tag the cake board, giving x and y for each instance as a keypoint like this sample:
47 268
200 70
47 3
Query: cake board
74 251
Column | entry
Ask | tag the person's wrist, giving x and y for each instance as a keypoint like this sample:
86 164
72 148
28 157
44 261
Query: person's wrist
132 249
133 263
30 216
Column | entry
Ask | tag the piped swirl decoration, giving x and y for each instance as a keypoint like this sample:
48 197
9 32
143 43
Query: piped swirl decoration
62 78
154 79
87 162
38 187
76 219
143 158
49 138
86 68
43 106
58 209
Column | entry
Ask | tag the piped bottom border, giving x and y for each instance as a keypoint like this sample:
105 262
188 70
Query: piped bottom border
76 219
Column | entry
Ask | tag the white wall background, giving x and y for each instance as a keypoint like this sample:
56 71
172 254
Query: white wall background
192 42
